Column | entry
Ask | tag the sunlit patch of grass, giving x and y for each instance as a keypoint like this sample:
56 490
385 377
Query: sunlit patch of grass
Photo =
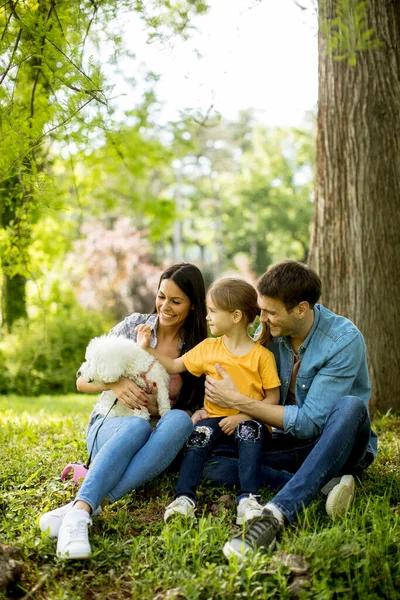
137 555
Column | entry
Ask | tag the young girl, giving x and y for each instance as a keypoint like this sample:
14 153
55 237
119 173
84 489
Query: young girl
232 307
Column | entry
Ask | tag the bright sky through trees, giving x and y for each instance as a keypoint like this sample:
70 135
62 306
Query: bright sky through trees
259 54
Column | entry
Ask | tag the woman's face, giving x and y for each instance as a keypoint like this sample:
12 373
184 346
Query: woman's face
172 304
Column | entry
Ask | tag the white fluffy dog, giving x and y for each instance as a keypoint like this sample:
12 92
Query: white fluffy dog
110 357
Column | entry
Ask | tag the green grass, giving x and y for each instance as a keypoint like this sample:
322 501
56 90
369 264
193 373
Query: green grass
135 555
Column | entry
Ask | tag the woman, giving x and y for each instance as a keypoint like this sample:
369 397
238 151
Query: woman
127 451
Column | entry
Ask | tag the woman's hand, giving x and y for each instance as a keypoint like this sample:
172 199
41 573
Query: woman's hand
129 393
221 391
143 333
199 415
229 424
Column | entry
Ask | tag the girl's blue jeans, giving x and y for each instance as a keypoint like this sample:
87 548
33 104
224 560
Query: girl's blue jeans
302 467
128 452
248 441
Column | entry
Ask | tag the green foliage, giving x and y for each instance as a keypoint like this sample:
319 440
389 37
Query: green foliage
136 555
244 189
42 355
348 32
129 174
47 82
269 209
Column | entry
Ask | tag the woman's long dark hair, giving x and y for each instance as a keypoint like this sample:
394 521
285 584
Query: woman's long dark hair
189 279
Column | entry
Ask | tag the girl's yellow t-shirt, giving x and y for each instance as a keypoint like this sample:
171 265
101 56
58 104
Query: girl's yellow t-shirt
252 373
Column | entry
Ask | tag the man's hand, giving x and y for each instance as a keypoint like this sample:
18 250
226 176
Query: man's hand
143 333
130 394
199 415
221 391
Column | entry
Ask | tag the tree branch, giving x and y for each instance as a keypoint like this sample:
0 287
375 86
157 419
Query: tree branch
89 26
58 20
6 25
40 138
69 60
12 56
84 91
17 64
40 62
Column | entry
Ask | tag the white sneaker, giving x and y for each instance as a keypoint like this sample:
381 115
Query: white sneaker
341 496
51 521
73 536
181 505
248 508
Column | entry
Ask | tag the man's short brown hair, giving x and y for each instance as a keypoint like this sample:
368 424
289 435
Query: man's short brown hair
291 282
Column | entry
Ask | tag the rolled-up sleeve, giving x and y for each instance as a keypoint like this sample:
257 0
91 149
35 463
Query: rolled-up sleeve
298 423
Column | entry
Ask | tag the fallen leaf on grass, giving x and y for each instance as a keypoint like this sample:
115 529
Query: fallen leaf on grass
225 501
296 564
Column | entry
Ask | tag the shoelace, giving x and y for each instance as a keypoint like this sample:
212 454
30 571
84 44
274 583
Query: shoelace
258 526
253 504
182 501
78 530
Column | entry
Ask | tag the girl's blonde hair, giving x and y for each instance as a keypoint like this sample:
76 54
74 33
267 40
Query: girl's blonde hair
232 294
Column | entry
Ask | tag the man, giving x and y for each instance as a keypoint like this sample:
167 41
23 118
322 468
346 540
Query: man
321 427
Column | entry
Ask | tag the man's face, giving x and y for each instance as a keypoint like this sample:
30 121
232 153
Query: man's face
279 320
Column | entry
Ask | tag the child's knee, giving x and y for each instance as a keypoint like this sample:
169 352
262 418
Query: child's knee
249 431
200 438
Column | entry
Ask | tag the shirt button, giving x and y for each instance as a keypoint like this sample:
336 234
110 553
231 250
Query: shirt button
303 386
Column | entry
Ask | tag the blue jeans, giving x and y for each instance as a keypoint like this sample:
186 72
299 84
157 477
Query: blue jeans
302 467
248 440
127 453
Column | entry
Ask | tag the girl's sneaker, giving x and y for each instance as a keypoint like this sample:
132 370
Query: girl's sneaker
181 505
248 508
51 521
73 535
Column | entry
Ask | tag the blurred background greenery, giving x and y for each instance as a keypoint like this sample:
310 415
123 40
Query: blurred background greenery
94 204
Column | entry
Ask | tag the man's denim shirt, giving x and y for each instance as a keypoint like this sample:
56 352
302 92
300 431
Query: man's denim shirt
332 365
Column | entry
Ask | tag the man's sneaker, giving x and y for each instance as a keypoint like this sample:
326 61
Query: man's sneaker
259 533
341 496
181 505
51 521
73 536
247 509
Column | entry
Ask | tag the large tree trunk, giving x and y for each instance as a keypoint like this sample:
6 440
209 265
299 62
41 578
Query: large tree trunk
355 239
13 294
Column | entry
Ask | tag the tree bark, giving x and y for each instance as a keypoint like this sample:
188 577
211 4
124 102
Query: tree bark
355 238
13 293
